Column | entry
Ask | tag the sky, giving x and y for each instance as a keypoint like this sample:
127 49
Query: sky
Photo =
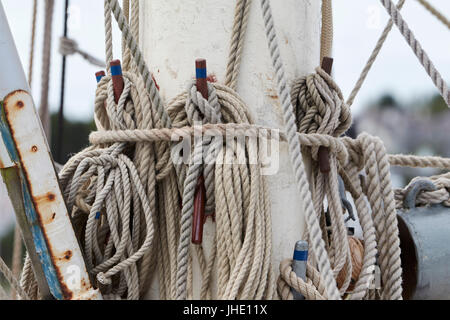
357 26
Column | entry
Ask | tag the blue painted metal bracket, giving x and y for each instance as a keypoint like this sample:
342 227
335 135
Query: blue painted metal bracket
29 174
40 244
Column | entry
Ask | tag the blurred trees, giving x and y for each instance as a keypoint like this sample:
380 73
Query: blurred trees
75 136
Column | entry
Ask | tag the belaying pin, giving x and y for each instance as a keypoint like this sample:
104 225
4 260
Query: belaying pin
99 75
324 153
200 192
299 264
117 79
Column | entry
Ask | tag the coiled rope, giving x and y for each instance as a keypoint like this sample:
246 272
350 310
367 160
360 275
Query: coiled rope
123 191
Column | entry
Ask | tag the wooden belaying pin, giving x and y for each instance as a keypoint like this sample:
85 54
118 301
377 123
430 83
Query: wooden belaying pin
200 192
199 211
99 75
299 264
324 153
117 79
201 77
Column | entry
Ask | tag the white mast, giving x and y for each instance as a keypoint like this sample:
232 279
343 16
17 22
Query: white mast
175 33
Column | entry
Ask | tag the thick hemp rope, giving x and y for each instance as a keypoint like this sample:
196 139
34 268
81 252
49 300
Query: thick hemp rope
326 35
98 181
124 191
316 241
244 266
320 109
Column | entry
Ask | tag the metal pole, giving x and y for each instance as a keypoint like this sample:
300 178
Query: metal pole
59 138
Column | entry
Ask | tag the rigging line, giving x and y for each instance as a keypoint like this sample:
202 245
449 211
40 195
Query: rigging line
435 12
326 37
59 141
32 43
416 47
373 57
46 65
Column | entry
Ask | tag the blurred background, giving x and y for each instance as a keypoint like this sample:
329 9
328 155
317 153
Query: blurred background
398 101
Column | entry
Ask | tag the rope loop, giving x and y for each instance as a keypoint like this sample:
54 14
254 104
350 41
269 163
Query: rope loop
320 106
312 289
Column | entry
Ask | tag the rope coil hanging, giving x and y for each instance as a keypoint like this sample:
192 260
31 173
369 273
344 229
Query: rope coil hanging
132 207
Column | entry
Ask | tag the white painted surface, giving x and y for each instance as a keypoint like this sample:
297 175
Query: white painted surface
12 75
175 33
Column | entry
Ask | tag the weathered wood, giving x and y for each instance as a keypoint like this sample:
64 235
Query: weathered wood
39 204
29 174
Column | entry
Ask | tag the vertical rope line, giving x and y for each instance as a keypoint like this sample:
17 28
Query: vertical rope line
242 14
59 138
417 49
326 37
44 113
32 43
126 56
373 57
140 62
108 36
317 243
134 25
435 12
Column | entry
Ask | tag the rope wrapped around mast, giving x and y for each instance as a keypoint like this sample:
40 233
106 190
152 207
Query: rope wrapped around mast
124 191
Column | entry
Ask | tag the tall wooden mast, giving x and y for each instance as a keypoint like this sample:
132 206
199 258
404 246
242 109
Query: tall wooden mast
175 33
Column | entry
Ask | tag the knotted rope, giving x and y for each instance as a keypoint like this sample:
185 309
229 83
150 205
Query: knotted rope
320 109
123 192
123 196
69 47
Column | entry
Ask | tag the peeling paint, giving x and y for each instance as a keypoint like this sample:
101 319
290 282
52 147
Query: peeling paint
41 195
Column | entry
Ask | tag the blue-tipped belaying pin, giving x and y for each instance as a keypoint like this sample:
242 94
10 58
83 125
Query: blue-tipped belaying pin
299 264
99 75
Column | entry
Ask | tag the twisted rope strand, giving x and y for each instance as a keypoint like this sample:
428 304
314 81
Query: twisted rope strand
317 242
418 50
373 57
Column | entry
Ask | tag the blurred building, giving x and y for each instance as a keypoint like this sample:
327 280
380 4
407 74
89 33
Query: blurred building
419 128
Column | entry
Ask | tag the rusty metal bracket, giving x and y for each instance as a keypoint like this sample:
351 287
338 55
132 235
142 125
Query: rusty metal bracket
413 191
30 176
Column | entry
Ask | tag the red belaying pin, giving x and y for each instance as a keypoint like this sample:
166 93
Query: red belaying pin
200 192
324 153
117 79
